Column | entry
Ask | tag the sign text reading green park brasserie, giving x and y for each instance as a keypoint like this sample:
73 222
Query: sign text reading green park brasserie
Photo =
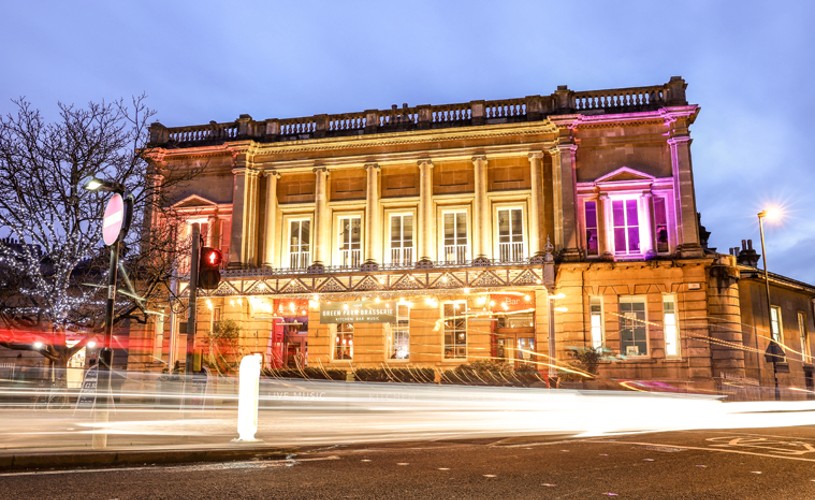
354 312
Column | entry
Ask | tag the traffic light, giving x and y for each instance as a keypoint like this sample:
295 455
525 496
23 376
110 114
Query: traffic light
209 268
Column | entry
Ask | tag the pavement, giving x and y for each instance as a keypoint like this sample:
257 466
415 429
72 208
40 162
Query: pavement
24 460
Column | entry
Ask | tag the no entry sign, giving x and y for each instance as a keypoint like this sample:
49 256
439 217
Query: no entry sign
114 218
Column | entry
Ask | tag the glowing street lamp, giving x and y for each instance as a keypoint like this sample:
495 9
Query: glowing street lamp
774 353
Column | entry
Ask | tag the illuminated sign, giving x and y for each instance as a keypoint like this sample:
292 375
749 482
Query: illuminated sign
354 312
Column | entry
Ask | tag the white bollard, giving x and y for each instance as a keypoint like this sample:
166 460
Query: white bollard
248 395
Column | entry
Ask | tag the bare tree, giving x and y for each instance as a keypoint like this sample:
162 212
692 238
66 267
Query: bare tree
52 254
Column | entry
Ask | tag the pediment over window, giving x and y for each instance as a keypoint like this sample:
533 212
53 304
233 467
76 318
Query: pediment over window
195 201
625 174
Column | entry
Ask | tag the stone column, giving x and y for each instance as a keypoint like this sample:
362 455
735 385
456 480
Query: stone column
322 221
253 209
687 223
214 232
482 221
535 206
373 226
563 179
427 219
270 229
236 241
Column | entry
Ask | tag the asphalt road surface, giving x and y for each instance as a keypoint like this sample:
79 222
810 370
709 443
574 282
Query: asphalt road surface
763 463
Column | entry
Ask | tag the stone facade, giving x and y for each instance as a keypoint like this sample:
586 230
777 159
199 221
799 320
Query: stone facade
442 216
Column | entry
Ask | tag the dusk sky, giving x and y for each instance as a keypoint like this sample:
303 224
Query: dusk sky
748 64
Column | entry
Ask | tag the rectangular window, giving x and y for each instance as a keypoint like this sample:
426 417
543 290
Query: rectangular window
455 237
158 344
510 235
454 318
670 325
776 325
633 326
299 248
399 339
350 241
625 216
401 239
661 225
592 243
344 341
596 320
806 352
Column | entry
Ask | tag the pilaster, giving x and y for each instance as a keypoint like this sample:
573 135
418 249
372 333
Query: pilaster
564 202
535 205
322 221
482 226
270 229
688 244
373 226
427 219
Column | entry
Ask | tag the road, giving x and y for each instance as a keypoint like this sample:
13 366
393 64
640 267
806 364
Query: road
762 463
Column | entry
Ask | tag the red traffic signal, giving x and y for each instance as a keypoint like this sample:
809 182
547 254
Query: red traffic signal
209 268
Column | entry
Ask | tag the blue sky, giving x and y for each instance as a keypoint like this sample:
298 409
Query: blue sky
749 65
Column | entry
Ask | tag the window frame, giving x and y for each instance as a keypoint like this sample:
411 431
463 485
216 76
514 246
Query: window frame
287 248
390 215
597 331
776 324
633 299
524 252
342 329
442 236
806 350
338 243
454 347
401 326
670 298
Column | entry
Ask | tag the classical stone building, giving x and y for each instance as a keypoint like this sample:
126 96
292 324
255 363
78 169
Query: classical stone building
437 235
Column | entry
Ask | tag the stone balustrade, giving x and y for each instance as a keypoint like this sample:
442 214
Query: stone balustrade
396 119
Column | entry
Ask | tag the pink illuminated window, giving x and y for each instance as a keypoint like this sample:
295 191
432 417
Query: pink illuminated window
661 225
592 244
625 217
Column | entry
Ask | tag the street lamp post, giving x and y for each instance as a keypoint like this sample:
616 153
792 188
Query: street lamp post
774 353
116 222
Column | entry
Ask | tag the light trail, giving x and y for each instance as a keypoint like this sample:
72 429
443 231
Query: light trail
304 412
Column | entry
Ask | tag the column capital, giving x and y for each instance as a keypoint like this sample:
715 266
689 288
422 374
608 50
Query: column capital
425 162
679 139
561 147
271 173
320 169
239 170
372 165
535 155
479 158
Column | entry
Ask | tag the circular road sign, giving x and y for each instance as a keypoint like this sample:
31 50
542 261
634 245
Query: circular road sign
114 218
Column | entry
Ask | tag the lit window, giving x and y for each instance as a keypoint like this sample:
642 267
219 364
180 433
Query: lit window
399 337
592 242
401 228
344 341
776 325
596 320
510 235
350 240
670 325
454 318
158 343
625 217
299 249
661 225
455 237
806 351
633 326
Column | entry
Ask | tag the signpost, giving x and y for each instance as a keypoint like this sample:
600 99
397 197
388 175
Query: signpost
113 220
